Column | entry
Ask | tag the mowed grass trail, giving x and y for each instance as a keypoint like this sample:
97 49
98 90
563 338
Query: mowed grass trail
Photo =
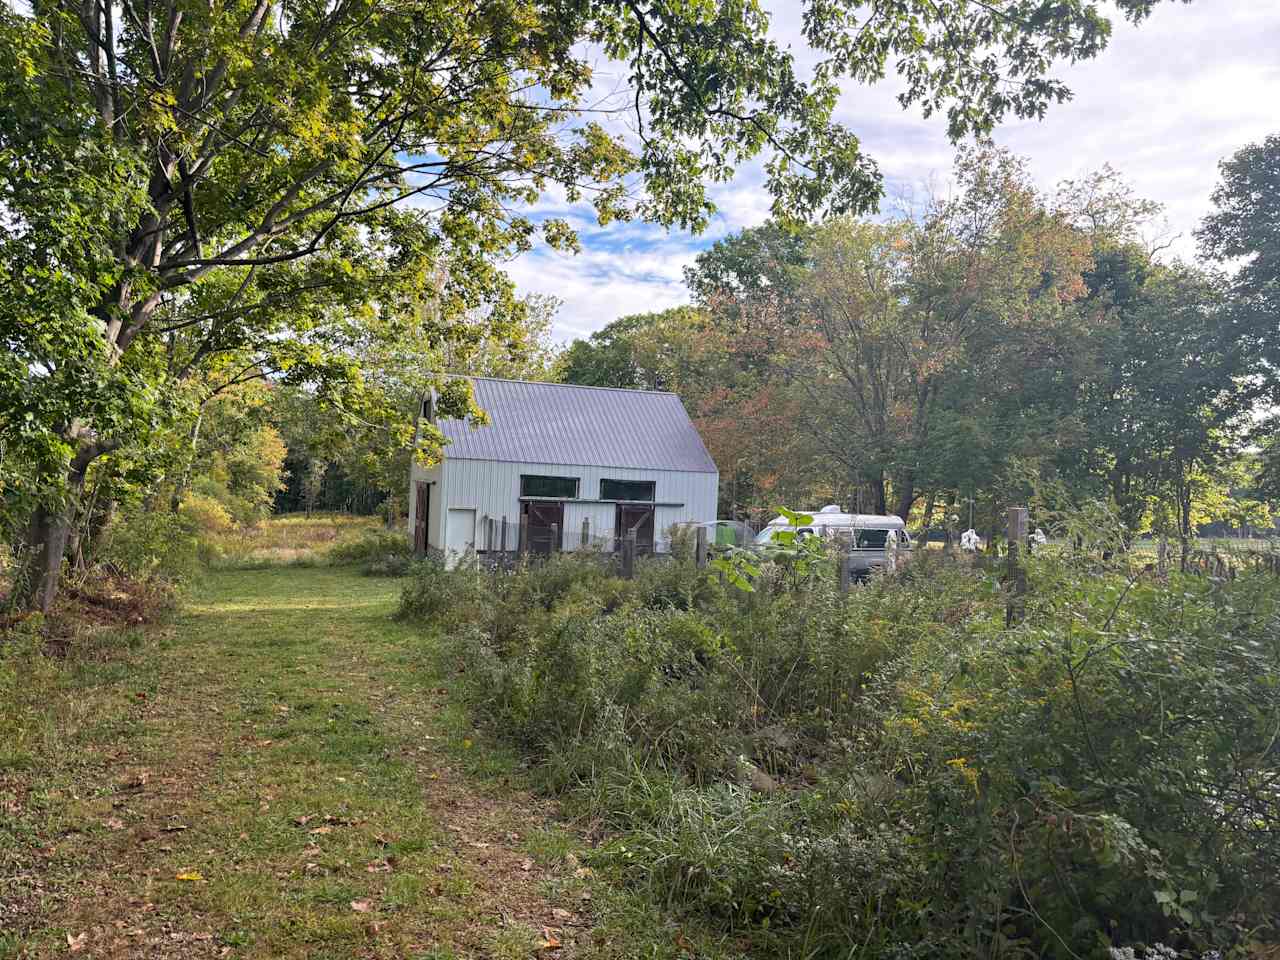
276 773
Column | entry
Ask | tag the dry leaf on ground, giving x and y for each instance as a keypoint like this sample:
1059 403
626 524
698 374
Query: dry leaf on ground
549 940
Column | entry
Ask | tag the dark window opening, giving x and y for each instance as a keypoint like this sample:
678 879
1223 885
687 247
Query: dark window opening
871 538
627 489
428 408
562 488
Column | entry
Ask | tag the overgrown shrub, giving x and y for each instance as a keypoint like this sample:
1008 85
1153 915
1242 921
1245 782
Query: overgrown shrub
205 513
378 553
449 599
892 770
143 543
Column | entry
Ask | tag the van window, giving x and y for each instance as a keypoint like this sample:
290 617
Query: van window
873 539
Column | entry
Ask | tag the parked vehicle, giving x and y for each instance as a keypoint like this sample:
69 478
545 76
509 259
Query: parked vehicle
866 538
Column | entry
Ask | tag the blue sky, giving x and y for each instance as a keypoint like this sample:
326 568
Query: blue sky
1163 105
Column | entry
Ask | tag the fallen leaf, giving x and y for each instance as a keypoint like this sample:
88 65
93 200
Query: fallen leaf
361 906
526 865
321 830
564 916
111 823
194 876
303 820
76 944
549 940
378 866
582 872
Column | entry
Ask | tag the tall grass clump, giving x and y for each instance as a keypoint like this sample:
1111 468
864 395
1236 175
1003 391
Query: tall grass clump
892 771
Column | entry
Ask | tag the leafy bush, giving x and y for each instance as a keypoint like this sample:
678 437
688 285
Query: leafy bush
205 513
143 543
447 598
379 553
893 770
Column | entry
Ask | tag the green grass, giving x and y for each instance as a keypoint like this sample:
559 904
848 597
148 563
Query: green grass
286 745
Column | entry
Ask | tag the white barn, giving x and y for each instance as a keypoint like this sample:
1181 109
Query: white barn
571 461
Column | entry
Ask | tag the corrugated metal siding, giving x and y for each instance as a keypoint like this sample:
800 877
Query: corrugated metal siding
493 490
572 425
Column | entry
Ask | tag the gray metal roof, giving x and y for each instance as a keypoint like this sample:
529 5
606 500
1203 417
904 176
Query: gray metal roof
582 426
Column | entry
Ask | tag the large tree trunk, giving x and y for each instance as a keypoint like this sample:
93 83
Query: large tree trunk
46 544
47 537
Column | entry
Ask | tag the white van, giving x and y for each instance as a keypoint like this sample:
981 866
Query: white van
865 537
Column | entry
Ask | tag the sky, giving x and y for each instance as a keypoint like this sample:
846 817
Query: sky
1163 104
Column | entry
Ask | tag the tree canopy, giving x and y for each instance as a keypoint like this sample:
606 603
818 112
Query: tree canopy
996 341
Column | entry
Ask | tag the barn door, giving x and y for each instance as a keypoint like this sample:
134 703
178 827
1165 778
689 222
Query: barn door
546 525
638 519
421 517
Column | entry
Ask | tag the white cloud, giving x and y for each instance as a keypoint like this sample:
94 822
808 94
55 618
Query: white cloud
1163 105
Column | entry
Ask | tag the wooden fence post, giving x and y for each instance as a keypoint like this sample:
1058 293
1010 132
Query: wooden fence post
846 572
1015 573
629 556
555 538
586 531
523 546
700 557
502 544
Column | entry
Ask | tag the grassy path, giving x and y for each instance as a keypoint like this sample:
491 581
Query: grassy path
274 774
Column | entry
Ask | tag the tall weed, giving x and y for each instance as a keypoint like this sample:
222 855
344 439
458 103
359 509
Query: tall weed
891 770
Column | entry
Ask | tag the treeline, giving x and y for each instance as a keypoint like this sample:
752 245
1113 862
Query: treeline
996 344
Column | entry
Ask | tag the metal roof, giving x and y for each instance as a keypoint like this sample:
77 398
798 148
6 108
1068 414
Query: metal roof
567 424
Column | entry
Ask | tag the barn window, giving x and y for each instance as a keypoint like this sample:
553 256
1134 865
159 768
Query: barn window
428 408
563 488
627 489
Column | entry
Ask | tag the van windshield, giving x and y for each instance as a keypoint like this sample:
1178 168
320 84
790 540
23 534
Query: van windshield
766 535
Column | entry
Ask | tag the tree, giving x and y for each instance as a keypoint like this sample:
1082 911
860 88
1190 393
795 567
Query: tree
285 182
941 343
641 351
1245 227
